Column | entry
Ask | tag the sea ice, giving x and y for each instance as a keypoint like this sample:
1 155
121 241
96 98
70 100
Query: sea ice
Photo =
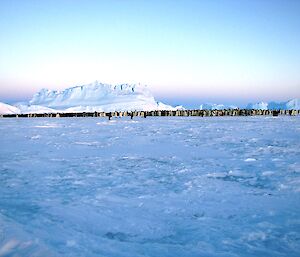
160 186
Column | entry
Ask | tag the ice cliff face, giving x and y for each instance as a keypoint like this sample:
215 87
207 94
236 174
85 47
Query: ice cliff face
99 97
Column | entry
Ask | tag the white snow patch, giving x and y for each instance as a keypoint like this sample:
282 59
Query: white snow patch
250 160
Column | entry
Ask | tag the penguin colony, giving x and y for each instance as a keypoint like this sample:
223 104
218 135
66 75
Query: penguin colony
177 113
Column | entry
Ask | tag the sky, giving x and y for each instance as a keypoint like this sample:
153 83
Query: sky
187 52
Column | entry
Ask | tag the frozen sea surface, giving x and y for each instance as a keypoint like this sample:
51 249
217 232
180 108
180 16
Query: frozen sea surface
157 187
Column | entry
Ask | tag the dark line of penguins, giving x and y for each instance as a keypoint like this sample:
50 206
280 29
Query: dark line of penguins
178 113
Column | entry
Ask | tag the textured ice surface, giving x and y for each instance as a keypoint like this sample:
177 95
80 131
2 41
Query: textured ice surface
178 186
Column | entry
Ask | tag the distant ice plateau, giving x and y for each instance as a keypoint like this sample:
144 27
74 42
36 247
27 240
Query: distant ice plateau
106 98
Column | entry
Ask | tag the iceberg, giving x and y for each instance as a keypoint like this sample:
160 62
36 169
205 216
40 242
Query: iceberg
90 98
99 97
212 106
8 109
293 104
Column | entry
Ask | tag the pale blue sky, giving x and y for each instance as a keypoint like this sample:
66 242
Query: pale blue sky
186 51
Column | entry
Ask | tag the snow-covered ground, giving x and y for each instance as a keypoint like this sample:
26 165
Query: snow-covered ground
170 186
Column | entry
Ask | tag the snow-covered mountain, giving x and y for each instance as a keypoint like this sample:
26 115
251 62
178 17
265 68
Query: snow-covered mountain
288 105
